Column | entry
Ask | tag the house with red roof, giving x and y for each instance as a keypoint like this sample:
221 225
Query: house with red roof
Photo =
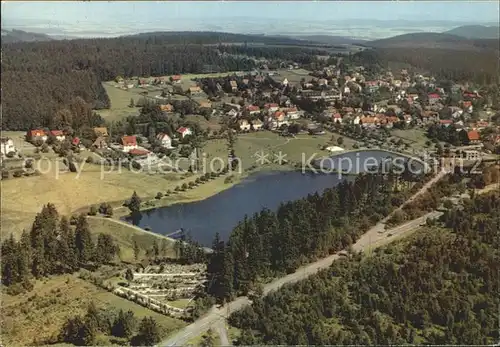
467 106
473 136
176 79
434 98
58 134
183 131
37 134
252 109
272 107
292 112
75 141
337 118
129 143
136 152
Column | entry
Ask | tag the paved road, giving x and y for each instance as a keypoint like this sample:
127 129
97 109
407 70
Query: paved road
375 237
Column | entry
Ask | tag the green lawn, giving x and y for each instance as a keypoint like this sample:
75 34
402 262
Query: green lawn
119 99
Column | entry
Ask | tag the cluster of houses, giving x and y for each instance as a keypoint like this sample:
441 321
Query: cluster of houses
128 144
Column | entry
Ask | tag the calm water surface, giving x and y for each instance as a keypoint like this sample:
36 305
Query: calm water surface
222 212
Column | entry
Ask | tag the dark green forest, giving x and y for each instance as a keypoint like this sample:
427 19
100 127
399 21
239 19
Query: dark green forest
438 287
478 65
270 243
41 78
53 246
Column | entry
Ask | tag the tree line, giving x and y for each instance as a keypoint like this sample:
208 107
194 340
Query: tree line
120 327
273 243
42 78
53 247
439 287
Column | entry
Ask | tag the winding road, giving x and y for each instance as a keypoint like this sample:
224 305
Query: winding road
373 238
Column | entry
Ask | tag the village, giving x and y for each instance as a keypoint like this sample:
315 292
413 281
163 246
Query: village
289 101
329 110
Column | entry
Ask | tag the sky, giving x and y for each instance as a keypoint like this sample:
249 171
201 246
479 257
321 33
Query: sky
109 18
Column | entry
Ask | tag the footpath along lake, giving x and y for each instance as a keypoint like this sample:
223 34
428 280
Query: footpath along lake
222 212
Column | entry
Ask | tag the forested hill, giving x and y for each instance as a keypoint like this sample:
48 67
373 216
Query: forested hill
476 31
9 36
434 40
438 288
445 56
40 78
211 37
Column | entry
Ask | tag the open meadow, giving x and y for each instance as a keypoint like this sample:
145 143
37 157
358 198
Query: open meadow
293 76
24 197
39 315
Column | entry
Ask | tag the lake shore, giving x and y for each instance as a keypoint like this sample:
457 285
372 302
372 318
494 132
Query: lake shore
201 192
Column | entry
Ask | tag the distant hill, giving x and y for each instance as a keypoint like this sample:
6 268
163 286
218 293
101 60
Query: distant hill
330 39
10 36
434 40
211 37
476 32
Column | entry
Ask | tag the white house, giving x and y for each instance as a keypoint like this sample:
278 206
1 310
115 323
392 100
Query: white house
129 143
165 140
257 124
37 134
285 82
244 125
58 134
292 113
356 120
272 107
7 145
184 132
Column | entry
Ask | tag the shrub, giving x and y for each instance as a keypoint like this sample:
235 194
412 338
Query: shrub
89 160
177 188
213 175
169 192
92 211
228 179
18 173
191 184
159 195
184 186
11 154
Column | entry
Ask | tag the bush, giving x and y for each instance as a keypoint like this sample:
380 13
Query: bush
228 179
18 173
89 160
159 195
177 188
169 192
92 211
184 186
11 154
191 184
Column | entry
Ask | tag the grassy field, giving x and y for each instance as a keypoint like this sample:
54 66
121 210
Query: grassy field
125 235
39 315
120 99
23 198
293 76
414 136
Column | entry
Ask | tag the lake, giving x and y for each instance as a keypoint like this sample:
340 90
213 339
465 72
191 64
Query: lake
222 212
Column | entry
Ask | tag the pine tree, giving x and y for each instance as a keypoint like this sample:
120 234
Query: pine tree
137 250
149 333
134 204
10 273
68 254
83 241
124 324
